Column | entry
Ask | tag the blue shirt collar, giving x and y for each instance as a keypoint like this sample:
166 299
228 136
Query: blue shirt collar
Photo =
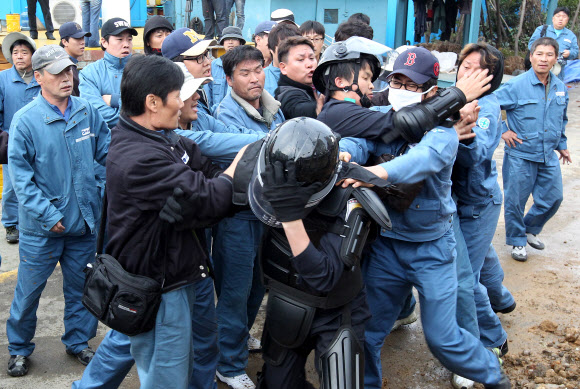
66 115
73 59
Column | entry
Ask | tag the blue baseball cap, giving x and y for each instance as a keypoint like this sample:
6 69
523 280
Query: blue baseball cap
418 64
72 30
266 27
185 41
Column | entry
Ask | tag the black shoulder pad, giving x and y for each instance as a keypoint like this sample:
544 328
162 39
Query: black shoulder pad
371 203
414 121
244 171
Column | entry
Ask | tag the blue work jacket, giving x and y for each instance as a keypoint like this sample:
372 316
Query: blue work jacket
52 167
475 173
272 77
103 77
218 88
14 94
431 160
566 40
540 123
219 142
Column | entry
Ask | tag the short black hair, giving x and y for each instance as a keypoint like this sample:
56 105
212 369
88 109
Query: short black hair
360 17
144 75
289 43
239 54
261 35
21 42
66 39
545 41
281 32
312 26
348 29
428 84
106 38
566 10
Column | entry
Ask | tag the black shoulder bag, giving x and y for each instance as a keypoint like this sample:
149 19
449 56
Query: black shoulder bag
126 302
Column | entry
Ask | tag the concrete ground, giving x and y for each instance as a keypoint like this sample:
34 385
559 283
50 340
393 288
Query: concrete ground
546 288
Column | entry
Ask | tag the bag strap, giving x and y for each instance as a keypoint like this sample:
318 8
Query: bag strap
543 32
103 226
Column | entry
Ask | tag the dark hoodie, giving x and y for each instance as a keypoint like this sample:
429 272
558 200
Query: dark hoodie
153 24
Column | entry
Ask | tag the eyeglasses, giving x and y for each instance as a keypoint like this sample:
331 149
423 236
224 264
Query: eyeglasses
411 87
199 58
315 40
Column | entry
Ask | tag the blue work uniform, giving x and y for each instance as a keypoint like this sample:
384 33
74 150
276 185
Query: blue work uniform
566 41
14 94
419 251
272 77
218 88
538 117
234 252
113 360
479 200
41 139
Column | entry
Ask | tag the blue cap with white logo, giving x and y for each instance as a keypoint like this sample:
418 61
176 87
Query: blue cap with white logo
185 41
418 64
72 30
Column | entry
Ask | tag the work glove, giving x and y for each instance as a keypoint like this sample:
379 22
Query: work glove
285 194
177 207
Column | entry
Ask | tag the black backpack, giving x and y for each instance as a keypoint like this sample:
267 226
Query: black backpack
527 63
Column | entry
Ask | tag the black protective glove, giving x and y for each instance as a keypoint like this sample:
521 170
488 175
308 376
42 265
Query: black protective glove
177 208
286 195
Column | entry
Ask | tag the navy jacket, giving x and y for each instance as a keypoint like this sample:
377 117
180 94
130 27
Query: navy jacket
143 168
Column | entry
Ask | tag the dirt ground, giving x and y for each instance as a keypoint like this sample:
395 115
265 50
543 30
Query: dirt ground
543 331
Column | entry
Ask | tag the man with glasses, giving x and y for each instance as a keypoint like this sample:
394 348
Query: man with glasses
186 46
419 251
314 31
295 90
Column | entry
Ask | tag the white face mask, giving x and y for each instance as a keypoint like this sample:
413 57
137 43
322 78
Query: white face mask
400 98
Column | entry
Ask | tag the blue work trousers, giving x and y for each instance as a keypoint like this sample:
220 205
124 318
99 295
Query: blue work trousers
466 312
393 268
113 359
520 179
9 200
239 289
165 354
491 277
478 224
91 10
38 258
240 18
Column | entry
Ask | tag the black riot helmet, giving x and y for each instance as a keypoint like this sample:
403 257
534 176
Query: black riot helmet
314 149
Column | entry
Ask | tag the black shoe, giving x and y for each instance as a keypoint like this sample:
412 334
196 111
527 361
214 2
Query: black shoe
49 36
34 34
12 234
506 310
503 349
18 365
504 383
84 356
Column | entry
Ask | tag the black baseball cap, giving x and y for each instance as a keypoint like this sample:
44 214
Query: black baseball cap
418 64
115 26
72 30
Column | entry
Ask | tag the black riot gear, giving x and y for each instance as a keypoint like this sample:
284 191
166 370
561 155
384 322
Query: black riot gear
311 146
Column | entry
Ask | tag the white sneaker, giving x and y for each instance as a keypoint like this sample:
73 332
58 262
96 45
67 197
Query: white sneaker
535 242
405 321
519 253
254 345
241 381
459 382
